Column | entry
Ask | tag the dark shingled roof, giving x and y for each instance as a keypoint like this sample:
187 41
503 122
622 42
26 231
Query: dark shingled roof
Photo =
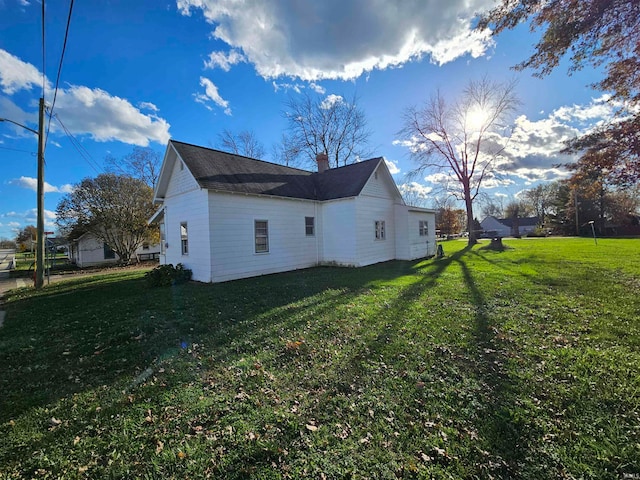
216 170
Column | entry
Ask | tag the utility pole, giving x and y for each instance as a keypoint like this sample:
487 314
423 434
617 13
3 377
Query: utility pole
40 194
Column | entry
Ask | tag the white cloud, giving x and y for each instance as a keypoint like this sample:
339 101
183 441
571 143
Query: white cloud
19 220
31 183
534 148
330 101
392 166
340 39
224 60
298 87
147 106
211 95
106 118
83 110
16 75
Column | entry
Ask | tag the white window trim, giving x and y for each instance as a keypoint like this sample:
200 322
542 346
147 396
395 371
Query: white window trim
184 239
423 228
379 230
313 227
255 236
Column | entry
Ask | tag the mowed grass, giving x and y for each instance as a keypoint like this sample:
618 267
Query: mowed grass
516 364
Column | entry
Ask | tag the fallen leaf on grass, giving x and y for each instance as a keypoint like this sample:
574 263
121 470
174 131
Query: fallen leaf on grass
311 428
159 446
54 422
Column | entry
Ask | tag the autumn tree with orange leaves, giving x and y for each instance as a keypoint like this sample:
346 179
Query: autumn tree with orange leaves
600 33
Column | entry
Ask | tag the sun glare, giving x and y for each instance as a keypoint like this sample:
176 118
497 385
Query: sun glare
476 119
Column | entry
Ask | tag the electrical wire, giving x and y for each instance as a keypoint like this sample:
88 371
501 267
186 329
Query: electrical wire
18 150
86 156
43 52
55 91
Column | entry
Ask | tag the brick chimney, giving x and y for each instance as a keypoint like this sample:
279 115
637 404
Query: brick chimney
323 162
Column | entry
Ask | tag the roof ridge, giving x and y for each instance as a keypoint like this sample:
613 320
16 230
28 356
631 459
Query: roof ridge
240 156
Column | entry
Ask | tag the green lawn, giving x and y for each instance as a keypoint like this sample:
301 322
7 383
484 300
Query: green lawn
516 364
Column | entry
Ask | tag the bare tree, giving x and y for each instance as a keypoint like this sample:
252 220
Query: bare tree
286 152
464 138
243 143
328 125
493 207
142 163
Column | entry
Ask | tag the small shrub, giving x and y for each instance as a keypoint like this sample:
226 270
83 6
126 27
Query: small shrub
165 275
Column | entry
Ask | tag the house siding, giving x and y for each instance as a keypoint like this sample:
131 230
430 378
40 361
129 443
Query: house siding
181 180
491 224
338 233
190 208
370 249
88 251
232 220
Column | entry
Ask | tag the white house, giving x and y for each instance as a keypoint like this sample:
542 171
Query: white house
89 251
506 227
226 216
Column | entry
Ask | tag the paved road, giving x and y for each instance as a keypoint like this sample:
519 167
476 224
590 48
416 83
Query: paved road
7 257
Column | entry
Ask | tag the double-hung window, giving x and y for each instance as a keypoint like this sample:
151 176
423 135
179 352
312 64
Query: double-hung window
310 226
109 254
380 233
261 229
423 227
184 238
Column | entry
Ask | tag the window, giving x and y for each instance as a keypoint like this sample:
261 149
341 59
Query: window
424 228
379 229
145 245
108 252
184 238
310 226
261 228
163 239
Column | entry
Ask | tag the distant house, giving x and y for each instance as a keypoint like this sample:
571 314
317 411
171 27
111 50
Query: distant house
89 251
506 227
226 216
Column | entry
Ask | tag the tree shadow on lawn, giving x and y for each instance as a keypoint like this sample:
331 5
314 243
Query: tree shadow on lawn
509 434
83 334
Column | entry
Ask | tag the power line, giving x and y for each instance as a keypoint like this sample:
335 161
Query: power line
86 156
18 150
55 91
43 52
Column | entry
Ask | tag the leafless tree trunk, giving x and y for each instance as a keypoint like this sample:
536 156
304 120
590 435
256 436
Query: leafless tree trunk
463 139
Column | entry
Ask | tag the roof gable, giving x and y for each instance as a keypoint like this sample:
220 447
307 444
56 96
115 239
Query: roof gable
222 171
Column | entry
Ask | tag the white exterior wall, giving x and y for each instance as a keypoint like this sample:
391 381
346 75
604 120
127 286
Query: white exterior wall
233 217
89 252
186 202
491 224
369 249
338 244
376 202
421 246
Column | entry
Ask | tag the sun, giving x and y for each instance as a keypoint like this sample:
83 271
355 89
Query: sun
476 119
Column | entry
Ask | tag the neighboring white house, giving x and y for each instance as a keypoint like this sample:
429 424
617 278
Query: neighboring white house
505 227
226 216
89 251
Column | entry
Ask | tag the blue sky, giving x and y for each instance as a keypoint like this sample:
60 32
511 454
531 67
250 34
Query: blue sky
139 73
